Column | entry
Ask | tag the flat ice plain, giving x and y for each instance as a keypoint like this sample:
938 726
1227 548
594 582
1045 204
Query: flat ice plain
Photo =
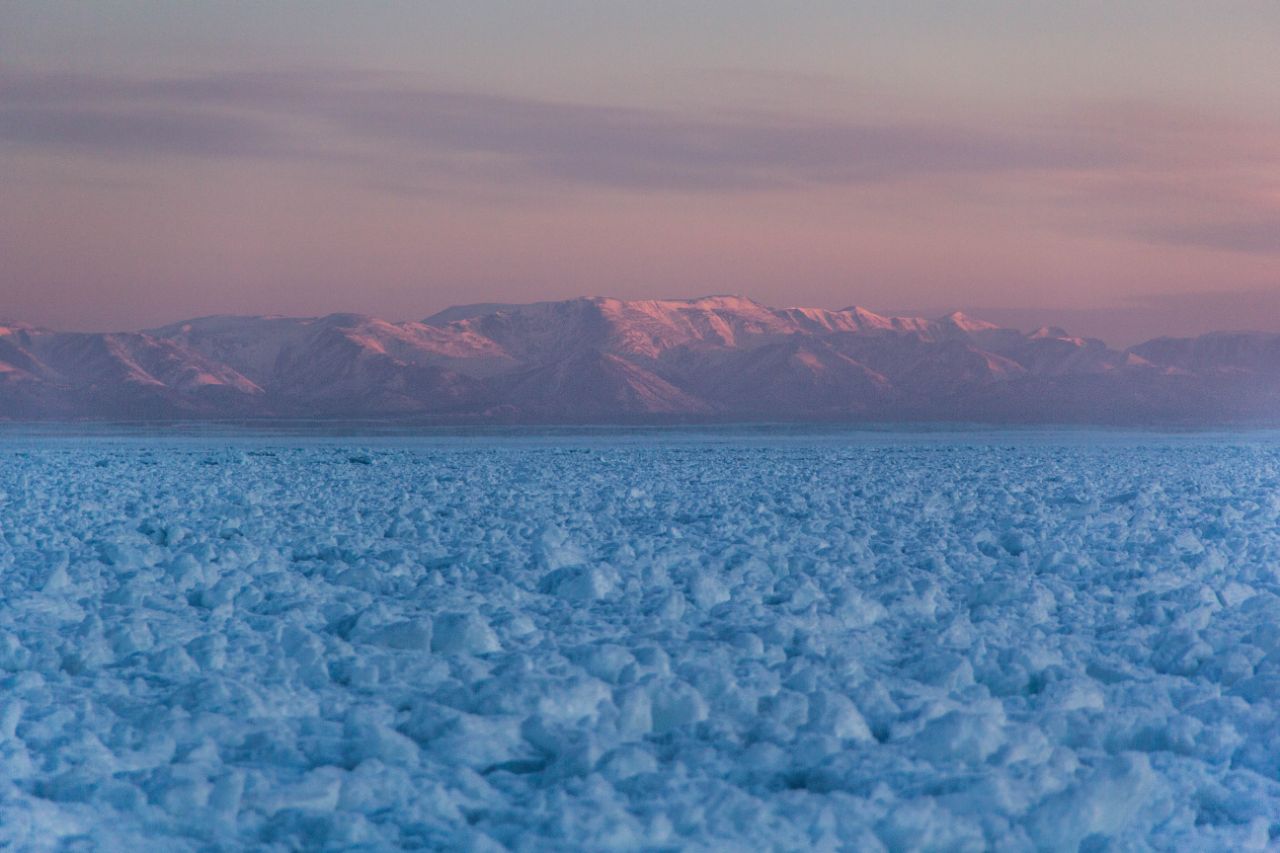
719 639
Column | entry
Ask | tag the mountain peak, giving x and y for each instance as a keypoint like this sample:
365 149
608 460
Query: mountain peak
9 327
964 322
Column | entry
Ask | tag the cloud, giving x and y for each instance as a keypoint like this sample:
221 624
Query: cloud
392 124
1144 172
141 131
644 148
1259 234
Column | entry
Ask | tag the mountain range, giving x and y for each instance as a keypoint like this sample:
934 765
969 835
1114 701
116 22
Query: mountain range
609 360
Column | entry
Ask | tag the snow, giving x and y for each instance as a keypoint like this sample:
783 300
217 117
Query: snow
747 639
608 360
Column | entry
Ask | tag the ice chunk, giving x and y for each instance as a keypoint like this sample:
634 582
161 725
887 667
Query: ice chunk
961 736
579 583
677 704
416 634
463 633
1121 794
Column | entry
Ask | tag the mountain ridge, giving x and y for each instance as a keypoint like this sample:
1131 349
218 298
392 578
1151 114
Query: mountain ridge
602 359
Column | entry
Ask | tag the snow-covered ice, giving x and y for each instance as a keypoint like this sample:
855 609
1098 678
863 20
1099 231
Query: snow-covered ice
1007 641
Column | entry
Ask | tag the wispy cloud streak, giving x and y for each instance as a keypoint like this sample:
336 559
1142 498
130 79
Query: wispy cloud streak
233 115
1141 171
1260 234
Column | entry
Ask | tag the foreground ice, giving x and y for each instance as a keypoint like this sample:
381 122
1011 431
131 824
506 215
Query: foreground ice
1002 642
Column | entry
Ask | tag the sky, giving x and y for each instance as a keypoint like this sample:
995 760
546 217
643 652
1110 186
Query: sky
1111 168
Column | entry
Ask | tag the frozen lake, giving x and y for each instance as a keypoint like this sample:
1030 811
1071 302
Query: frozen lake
749 638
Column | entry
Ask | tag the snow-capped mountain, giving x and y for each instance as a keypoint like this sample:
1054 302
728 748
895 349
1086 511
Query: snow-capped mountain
602 359
51 374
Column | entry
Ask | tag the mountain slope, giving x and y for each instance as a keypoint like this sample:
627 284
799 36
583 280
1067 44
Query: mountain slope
46 373
793 374
1216 352
591 384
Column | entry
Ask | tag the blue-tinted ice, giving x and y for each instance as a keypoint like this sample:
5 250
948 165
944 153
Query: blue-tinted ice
877 640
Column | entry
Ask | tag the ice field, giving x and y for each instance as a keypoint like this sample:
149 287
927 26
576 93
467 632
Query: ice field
658 640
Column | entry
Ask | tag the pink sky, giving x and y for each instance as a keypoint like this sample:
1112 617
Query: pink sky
1114 172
